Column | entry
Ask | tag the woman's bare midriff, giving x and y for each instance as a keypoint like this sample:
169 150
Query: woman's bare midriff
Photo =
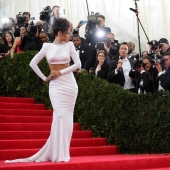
57 67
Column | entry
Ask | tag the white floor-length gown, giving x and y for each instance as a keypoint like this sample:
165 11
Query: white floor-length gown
63 93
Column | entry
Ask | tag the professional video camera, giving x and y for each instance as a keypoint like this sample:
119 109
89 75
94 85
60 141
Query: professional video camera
45 14
92 21
154 44
20 19
33 28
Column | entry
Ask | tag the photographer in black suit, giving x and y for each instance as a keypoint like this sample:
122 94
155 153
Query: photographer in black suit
85 53
149 66
140 77
21 20
96 33
164 75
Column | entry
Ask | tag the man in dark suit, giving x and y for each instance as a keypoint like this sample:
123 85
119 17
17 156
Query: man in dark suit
153 81
142 80
119 69
85 53
164 75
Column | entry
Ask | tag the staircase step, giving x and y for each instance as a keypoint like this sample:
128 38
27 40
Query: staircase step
38 143
100 162
4 105
30 127
25 119
25 112
10 135
167 168
17 100
74 151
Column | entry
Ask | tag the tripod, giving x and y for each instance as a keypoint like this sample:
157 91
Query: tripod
138 22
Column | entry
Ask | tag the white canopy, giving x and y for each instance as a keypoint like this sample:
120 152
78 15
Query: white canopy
154 15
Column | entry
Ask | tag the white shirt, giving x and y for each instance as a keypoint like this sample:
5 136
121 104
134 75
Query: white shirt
126 69
78 51
141 84
159 85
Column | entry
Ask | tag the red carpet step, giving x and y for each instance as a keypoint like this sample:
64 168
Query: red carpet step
104 162
25 127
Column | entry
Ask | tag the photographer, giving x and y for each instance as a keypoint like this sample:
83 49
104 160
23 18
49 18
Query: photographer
140 77
32 40
96 31
8 26
110 46
21 19
48 15
149 67
164 75
76 30
164 46
154 48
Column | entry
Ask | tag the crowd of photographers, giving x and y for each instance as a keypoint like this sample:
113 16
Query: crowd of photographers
100 53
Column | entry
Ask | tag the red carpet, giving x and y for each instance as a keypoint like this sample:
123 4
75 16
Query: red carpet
25 126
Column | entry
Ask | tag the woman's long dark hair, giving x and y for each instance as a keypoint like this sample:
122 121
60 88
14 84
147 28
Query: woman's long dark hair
5 43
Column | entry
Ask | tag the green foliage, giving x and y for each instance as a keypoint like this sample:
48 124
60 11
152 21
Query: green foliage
136 123
18 79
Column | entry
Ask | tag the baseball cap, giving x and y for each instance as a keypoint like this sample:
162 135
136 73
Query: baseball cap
163 40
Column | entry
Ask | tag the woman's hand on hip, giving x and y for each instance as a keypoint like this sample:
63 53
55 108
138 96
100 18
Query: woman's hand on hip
55 74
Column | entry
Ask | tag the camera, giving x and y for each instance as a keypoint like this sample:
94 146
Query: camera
33 28
137 64
154 44
45 14
20 19
101 41
92 21
114 48
155 58
100 46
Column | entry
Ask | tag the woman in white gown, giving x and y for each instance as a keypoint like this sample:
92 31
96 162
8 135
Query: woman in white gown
63 91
